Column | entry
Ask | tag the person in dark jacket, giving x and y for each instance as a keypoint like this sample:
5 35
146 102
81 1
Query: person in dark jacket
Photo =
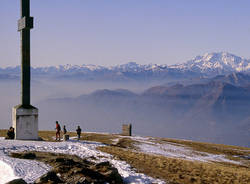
78 131
11 133
64 130
58 130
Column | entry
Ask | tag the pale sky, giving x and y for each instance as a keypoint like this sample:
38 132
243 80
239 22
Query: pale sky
110 32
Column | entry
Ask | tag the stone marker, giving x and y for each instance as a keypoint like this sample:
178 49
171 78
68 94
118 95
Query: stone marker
25 116
127 129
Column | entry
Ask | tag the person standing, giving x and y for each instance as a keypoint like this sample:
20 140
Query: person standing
78 131
64 130
58 129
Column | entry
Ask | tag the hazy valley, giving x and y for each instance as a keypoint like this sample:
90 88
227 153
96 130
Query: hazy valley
204 99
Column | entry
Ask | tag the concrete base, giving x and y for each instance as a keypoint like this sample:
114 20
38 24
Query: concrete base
25 122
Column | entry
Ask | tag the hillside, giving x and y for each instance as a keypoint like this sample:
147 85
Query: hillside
170 160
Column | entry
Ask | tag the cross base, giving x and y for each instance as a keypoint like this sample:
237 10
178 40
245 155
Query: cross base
25 122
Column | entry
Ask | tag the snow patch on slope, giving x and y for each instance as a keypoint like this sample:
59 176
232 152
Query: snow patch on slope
179 151
30 170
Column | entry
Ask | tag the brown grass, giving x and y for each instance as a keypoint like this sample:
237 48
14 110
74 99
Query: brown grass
181 171
172 170
3 133
211 148
231 152
126 143
50 135
102 138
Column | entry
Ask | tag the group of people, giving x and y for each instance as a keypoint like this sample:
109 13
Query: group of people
58 131
11 132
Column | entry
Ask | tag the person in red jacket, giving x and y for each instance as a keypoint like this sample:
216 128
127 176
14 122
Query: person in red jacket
58 129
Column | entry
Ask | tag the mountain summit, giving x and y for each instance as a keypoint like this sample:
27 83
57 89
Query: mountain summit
216 63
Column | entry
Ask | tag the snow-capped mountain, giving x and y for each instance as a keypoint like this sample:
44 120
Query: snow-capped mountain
216 63
208 65
134 67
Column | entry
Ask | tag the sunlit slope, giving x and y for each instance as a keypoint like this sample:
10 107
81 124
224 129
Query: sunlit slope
175 161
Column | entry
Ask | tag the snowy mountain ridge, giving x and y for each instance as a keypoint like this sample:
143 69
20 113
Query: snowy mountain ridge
216 62
210 64
210 61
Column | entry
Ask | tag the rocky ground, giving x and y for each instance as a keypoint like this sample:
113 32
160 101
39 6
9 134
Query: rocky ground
70 169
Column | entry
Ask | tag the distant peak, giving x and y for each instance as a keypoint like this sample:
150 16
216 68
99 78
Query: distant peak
216 55
216 63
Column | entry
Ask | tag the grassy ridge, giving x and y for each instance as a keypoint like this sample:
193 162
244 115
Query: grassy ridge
181 171
173 170
211 148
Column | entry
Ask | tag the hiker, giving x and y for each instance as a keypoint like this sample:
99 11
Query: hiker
10 133
64 130
78 131
58 129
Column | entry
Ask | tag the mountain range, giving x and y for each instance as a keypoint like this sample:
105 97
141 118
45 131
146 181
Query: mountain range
208 65
205 99
215 111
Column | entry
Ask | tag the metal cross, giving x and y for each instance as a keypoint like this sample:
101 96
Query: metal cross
24 26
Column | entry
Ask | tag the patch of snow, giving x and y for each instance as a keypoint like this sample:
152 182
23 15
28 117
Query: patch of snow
7 173
139 138
115 141
174 151
104 133
241 150
30 170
